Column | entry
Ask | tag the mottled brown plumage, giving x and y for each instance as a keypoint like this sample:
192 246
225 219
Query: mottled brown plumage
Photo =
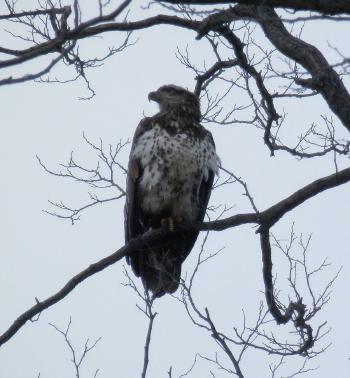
170 174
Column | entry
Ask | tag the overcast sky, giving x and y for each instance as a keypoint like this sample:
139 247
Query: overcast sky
39 253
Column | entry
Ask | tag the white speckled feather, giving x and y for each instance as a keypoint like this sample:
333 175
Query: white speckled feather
173 167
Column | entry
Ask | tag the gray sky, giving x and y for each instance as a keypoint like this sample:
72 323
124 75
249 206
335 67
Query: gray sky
40 253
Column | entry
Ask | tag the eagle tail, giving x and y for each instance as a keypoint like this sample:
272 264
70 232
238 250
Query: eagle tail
160 276
162 267
159 264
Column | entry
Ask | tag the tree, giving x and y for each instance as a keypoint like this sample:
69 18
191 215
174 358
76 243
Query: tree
250 66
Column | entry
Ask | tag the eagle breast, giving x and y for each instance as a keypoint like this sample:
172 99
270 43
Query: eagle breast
174 165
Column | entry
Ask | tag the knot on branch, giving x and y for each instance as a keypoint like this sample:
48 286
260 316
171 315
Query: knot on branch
212 22
295 312
300 322
315 83
299 310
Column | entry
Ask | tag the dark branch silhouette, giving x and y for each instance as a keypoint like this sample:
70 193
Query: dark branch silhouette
331 7
246 73
265 219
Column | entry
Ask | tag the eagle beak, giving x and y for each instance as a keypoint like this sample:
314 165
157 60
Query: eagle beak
153 96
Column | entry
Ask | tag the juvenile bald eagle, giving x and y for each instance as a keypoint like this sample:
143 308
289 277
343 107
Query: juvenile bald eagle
170 175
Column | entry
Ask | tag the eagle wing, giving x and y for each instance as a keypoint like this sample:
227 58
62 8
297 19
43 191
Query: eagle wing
203 200
133 216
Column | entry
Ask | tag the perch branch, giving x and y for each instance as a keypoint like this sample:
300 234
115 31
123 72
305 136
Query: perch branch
265 219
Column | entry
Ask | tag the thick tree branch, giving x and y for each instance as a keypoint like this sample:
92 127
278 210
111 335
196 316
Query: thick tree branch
265 219
160 19
297 308
34 13
54 45
211 73
267 102
331 7
324 79
134 244
271 215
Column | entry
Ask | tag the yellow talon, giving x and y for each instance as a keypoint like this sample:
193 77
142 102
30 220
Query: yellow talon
168 223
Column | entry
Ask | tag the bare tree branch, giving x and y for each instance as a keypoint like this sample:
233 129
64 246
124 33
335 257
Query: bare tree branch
203 79
54 31
271 215
293 307
77 362
86 30
147 310
324 78
265 219
326 6
102 176
76 280
33 13
151 316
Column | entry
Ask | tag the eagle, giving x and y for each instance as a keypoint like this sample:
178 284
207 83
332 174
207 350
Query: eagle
171 169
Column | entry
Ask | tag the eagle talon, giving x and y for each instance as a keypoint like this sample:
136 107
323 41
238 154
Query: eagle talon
168 223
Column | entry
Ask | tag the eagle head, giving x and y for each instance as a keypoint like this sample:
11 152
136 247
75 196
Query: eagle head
171 97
